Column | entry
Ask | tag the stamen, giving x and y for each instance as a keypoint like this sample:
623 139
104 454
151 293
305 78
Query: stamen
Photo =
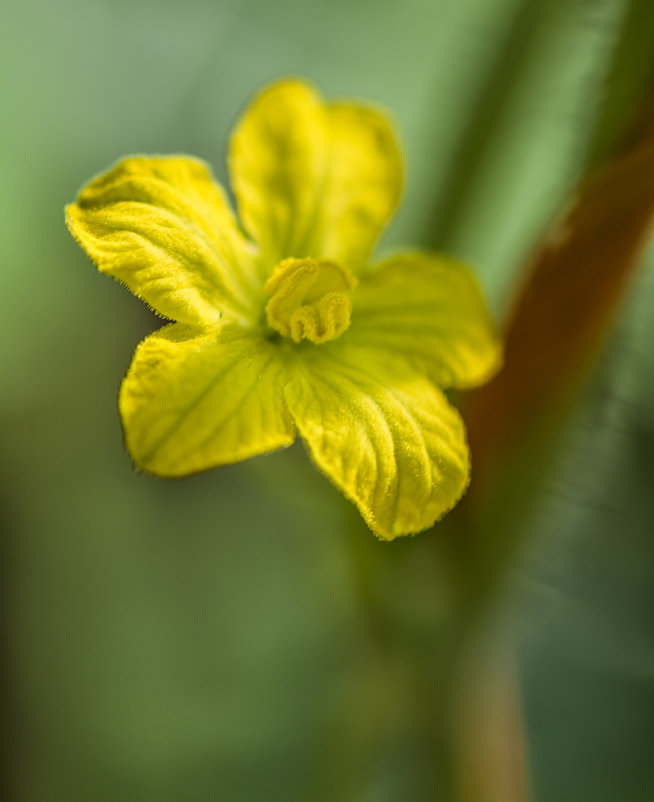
310 299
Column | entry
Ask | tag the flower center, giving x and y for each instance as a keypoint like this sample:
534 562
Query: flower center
310 298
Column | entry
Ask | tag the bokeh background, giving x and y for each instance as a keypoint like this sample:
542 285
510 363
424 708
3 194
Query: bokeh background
190 640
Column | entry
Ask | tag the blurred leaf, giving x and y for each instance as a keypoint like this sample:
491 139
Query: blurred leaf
566 306
524 144
560 319
630 77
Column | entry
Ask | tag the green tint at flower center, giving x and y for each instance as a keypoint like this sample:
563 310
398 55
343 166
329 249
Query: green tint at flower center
310 299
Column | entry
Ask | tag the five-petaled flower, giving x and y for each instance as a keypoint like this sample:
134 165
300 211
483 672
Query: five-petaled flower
282 327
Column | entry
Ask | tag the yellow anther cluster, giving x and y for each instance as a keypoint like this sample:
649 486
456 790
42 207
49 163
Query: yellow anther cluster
310 299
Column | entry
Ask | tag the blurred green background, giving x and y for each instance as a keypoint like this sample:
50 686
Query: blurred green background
191 640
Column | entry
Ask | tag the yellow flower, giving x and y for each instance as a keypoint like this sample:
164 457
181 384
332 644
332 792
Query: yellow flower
281 327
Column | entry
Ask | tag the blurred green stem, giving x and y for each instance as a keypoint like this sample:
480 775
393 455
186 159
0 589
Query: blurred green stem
431 712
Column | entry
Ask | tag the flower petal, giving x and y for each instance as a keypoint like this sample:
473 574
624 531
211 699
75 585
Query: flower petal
426 310
393 445
162 226
192 402
311 179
